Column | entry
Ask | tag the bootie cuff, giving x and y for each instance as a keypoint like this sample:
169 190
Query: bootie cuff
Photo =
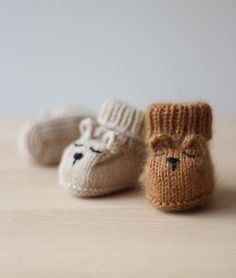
179 119
122 118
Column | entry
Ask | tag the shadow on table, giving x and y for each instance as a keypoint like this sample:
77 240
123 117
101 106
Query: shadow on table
223 202
224 199
127 193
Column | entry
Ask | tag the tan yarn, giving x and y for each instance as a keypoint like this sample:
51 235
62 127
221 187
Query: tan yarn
108 155
44 140
179 171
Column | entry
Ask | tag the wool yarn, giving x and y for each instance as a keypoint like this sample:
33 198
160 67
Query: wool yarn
43 140
178 171
108 155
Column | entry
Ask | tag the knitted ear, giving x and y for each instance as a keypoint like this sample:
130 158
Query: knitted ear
86 128
108 139
194 145
160 142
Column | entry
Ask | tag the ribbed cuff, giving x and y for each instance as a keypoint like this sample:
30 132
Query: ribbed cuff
123 118
179 119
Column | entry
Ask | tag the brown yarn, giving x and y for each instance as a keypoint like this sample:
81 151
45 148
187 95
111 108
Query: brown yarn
179 172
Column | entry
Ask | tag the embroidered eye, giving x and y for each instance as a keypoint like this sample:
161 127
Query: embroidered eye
193 146
95 151
189 154
78 145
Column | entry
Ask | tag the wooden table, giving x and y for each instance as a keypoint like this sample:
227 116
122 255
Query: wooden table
44 232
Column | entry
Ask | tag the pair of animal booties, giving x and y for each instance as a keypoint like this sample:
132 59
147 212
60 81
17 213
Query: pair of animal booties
110 153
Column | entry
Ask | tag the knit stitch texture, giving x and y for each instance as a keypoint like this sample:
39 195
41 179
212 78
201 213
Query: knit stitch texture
178 172
108 155
44 139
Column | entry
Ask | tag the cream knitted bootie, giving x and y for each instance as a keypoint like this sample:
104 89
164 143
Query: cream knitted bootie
44 140
179 172
109 154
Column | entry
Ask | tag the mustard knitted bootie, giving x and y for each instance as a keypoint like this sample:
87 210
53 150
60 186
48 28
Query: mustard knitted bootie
44 140
108 155
179 171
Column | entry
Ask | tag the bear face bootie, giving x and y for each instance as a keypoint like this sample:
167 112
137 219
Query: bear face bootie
108 155
178 172
44 140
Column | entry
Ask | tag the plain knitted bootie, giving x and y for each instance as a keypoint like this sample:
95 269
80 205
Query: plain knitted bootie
109 154
179 172
44 139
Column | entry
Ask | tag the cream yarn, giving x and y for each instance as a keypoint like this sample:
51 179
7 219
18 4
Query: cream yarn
44 139
109 154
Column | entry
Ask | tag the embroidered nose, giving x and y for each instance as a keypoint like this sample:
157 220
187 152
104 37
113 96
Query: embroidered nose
77 156
173 162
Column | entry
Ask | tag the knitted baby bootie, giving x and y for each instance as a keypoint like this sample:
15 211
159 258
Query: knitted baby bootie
178 172
108 155
44 140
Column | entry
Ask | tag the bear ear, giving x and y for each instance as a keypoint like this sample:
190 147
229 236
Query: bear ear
86 128
162 141
194 145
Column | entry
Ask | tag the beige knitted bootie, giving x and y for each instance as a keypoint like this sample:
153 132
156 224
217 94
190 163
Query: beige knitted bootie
108 155
178 172
44 140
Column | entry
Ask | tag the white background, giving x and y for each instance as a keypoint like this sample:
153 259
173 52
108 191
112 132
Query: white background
54 52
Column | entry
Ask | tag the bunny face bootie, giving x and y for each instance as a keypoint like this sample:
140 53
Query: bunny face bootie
108 155
179 172
44 140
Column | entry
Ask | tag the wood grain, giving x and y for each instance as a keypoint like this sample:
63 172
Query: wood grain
45 232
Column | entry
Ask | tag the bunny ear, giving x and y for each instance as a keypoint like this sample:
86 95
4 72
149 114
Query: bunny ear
108 139
161 141
194 145
86 128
